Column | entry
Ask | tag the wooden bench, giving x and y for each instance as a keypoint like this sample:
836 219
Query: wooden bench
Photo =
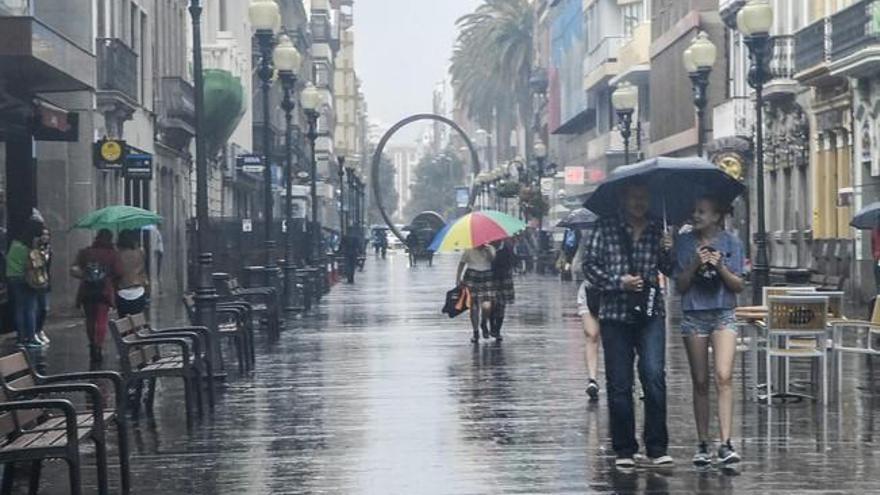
234 322
140 360
40 433
22 445
263 301
201 340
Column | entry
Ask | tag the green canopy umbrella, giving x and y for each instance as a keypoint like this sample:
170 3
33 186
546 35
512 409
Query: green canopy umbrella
117 218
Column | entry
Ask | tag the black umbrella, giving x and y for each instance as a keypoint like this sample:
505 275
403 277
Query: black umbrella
868 217
581 218
675 184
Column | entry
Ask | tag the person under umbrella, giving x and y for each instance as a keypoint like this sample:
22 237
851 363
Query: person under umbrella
626 253
709 266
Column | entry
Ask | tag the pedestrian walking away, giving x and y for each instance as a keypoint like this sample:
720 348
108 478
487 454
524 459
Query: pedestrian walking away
502 271
475 272
709 264
624 258
97 267
133 283
588 311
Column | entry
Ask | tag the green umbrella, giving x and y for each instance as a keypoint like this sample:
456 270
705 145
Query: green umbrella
118 218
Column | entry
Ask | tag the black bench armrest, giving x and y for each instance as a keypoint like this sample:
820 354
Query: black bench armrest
177 342
90 390
63 405
195 340
90 376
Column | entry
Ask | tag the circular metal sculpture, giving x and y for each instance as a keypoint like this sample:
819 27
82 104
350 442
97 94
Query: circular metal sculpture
377 159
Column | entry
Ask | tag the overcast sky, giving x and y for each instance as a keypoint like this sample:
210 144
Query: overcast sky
402 48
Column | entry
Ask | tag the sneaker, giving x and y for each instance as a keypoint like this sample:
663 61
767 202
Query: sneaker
702 457
625 462
42 337
593 390
662 461
726 454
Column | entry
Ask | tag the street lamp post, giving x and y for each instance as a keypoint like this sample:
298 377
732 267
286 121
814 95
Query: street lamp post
288 60
698 59
264 16
311 101
754 21
206 295
342 202
624 99
540 152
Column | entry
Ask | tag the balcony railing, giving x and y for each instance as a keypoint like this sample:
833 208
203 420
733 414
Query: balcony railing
15 7
605 51
733 118
178 101
117 67
782 61
813 45
854 28
320 28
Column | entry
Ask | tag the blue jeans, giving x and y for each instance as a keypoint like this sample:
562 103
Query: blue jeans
621 343
24 304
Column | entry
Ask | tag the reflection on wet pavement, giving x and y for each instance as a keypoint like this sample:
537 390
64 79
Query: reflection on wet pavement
382 394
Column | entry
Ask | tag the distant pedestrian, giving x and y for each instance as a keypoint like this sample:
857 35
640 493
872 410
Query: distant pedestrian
624 258
588 310
157 244
505 293
97 267
875 250
475 273
132 284
709 269
44 245
26 275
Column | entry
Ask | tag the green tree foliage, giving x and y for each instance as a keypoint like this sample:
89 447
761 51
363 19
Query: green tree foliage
388 188
436 177
492 63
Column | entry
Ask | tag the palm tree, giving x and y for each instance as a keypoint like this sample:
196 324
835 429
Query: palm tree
491 66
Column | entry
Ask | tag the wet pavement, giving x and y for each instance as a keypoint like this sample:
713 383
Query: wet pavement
379 393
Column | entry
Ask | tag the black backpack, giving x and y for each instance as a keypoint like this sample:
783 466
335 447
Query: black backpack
94 281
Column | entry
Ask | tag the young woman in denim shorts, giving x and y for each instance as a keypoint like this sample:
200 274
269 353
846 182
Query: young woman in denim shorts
709 268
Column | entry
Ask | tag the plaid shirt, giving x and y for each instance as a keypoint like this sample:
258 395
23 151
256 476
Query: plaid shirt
606 262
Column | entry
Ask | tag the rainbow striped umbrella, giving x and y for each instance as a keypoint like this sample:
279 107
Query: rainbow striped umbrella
476 229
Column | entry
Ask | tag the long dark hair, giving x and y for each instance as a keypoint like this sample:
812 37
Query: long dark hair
129 239
722 209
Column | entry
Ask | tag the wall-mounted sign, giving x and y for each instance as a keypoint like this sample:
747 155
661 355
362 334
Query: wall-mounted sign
574 176
138 166
462 196
247 225
109 154
252 164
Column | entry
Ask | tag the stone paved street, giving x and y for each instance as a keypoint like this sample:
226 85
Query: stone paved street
379 393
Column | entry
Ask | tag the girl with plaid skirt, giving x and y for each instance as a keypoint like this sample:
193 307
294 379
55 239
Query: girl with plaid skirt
476 268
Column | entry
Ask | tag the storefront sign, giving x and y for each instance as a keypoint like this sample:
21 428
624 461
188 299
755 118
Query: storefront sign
247 225
109 154
462 196
138 166
574 176
252 164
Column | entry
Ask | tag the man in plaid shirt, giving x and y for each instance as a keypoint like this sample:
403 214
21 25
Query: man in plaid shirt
614 242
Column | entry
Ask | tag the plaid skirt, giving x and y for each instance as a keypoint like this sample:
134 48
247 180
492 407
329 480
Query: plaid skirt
481 284
504 291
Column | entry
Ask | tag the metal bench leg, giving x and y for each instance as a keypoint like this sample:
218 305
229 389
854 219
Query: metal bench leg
124 459
188 399
34 480
8 478
101 461
74 474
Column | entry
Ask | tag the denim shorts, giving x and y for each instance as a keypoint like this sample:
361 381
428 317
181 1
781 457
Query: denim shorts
704 322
